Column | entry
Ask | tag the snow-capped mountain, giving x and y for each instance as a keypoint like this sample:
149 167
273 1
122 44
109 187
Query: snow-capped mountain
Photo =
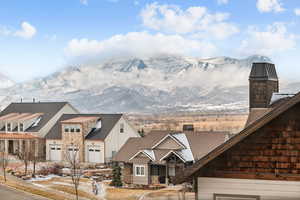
5 82
153 84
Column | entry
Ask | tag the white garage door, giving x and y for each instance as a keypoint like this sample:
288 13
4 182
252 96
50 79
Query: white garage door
94 154
55 152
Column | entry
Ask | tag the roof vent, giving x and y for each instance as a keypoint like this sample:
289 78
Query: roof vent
188 127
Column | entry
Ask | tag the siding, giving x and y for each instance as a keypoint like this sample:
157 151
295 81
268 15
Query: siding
270 153
169 143
267 190
67 109
115 140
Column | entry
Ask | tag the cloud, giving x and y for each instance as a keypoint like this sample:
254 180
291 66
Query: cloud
84 2
269 6
275 39
4 31
136 44
172 19
27 31
221 2
297 11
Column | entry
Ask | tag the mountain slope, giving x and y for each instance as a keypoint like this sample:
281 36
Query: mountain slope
154 84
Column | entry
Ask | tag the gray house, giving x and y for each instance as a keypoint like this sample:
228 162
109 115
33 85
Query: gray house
157 157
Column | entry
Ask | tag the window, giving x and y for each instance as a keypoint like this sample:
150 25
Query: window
9 127
21 127
171 171
235 197
72 130
139 170
77 130
66 130
122 128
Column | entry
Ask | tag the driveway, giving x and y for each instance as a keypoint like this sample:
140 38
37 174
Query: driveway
11 194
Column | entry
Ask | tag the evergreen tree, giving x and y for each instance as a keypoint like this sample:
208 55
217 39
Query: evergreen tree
116 181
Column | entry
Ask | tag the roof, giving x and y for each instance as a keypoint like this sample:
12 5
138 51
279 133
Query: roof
16 136
196 145
256 113
251 128
48 108
108 121
80 119
263 71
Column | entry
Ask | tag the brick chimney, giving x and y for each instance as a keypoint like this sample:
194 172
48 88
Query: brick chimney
263 82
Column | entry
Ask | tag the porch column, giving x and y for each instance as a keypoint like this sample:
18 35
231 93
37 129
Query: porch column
20 145
195 185
36 147
167 174
27 145
6 146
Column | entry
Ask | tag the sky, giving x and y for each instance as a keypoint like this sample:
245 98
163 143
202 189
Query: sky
40 37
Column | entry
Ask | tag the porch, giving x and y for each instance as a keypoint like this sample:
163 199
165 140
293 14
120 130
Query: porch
12 146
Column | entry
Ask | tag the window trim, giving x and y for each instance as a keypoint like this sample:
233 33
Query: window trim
140 167
236 196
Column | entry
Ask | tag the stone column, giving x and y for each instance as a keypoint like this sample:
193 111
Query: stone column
6 146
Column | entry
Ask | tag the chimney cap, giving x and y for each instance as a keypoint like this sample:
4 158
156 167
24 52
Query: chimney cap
263 71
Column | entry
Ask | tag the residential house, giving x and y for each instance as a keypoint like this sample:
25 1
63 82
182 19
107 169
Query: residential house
25 125
94 138
157 157
263 160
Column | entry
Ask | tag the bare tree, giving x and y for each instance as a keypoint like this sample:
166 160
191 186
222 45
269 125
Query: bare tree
25 157
72 156
4 163
33 159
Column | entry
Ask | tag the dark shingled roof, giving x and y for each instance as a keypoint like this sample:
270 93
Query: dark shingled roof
200 143
108 121
263 71
49 109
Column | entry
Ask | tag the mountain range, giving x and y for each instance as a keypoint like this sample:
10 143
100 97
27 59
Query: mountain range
144 85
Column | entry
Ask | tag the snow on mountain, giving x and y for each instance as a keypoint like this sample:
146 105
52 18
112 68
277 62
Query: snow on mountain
5 82
154 84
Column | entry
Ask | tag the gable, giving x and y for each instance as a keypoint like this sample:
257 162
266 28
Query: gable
140 157
272 152
168 143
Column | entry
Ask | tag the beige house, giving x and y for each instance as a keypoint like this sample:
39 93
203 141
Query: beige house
25 125
93 138
160 155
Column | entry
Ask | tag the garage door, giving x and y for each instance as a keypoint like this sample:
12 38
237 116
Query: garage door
94 154
55 152
73 153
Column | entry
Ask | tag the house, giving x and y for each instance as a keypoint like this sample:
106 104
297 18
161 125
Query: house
95 137
25 125
157 157
263 160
